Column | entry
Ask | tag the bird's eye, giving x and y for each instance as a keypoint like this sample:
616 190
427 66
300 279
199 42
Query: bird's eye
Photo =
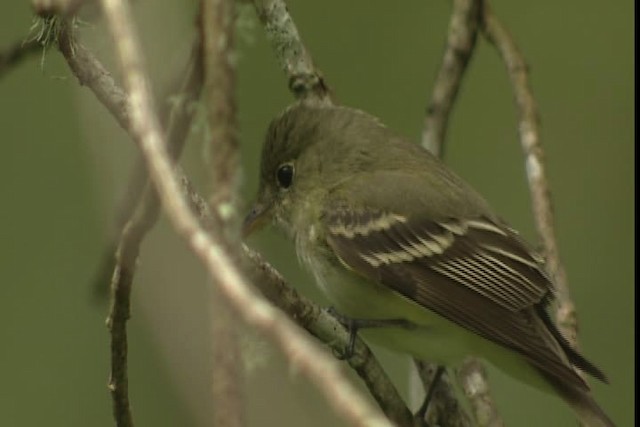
284 175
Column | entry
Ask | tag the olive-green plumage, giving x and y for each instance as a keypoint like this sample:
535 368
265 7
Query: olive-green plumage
390 232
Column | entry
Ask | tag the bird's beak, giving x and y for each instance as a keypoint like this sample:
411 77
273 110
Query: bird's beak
256 218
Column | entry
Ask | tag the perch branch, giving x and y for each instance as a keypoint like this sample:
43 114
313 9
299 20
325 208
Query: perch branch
300 350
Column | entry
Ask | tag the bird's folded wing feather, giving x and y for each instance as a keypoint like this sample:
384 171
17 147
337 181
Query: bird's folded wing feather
474 272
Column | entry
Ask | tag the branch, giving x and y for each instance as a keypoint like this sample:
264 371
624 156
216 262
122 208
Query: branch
473 378
17 52
461 41
305 80
300 350
528 125
217 28
444 408
119 314
218 35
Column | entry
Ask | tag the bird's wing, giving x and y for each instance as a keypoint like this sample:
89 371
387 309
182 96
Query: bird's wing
473 272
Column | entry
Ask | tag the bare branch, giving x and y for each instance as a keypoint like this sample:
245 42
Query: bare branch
218 37
255 310
226 367
305 80
18 52
461 41
473 378
529 129
119 314
62 8
444 408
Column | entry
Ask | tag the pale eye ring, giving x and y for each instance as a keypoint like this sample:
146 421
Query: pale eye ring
284 175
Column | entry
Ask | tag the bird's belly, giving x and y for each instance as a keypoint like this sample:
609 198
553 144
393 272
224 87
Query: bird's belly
434 338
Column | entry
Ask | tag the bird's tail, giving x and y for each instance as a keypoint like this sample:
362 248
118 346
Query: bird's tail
586 408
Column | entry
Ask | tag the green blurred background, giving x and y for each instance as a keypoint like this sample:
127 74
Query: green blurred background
64 165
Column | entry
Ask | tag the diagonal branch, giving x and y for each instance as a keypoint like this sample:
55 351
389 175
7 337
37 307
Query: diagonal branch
529 129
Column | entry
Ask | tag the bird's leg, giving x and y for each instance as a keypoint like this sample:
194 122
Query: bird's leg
353 325
422 411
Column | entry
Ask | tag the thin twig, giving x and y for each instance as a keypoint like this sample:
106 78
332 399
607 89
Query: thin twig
529 129
305 80
300 350
119 314
461 41
218 37
18 52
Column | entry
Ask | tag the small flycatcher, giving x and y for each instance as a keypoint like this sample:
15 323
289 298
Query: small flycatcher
390 232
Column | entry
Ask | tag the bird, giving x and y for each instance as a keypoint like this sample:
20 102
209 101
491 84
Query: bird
390 232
